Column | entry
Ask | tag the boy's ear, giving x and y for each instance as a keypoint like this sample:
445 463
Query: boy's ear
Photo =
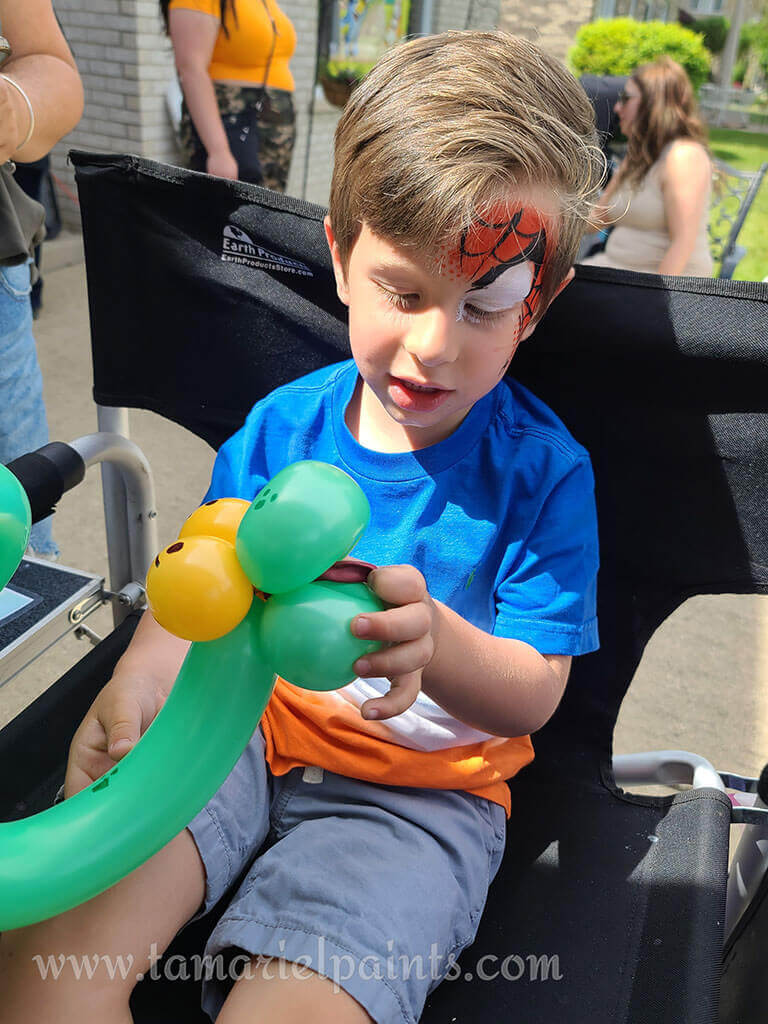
338 270
563 284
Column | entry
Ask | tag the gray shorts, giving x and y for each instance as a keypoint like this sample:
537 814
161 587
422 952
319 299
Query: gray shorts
378 888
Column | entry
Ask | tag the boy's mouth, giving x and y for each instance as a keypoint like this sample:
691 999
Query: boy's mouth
412 396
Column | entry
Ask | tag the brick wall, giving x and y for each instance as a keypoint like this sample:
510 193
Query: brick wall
126 64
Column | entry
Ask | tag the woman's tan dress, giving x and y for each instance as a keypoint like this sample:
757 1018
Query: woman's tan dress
641 236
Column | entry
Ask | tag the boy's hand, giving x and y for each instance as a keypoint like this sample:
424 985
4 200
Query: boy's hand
118 717
409 628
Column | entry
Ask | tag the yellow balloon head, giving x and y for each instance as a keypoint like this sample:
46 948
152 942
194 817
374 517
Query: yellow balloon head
196 588
218 518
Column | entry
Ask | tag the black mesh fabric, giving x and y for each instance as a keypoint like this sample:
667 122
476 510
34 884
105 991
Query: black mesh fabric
744 997
194 337
34 745
666 383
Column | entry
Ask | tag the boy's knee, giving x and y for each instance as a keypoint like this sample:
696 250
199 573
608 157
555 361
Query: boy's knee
268 986
45 978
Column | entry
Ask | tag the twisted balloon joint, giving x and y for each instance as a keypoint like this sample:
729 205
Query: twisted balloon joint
272 558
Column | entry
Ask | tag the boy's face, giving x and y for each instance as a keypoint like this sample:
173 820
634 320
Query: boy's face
431 337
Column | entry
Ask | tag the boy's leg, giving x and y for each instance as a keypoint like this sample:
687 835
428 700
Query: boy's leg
376 889
273 990
83 964
137 918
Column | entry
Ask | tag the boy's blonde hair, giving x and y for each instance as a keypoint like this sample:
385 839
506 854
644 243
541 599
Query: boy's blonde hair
445 127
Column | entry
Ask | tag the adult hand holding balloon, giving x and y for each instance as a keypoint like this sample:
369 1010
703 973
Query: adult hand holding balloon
306 518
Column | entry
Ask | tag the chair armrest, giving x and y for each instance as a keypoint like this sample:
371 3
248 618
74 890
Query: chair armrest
667 767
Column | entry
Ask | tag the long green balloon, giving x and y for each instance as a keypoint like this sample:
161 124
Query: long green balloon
69 853
15 520
311 513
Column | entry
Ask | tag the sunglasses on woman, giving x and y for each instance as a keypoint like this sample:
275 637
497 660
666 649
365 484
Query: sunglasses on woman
625 97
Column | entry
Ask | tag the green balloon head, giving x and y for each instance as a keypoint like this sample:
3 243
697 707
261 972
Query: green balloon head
306 518
305 634
15 522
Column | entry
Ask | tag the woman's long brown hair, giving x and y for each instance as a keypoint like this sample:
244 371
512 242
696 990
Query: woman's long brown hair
224 6
667 111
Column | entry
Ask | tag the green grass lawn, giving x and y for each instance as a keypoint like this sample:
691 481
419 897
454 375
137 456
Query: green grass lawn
746 151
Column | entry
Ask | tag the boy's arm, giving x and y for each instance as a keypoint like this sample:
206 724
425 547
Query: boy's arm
501 686
493 683
124 709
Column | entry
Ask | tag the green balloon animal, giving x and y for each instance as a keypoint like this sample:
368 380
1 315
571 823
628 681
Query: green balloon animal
306 519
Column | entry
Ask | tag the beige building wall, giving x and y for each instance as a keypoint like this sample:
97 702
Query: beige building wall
552 24
126 63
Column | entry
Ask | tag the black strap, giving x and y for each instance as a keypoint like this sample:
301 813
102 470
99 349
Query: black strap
46 474
260 101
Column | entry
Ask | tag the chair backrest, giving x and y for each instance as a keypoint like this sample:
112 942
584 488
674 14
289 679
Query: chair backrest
205 294
733 193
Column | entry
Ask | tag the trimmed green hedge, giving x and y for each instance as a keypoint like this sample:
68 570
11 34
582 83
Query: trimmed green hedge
714 29
618 45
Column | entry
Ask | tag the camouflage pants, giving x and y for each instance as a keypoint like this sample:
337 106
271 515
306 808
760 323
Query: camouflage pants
261 140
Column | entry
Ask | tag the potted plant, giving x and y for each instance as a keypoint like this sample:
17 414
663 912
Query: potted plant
339 77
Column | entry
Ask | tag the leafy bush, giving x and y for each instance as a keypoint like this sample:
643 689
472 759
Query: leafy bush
714 30
754 39
739 70
619 45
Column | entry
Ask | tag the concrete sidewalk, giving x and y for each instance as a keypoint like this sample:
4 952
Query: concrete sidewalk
701 687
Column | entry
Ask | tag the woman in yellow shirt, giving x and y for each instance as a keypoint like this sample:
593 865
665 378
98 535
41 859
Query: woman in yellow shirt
232 59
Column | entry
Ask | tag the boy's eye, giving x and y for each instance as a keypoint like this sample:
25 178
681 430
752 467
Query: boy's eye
401 301
409 301
475 315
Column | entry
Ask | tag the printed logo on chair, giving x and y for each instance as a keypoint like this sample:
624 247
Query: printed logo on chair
238 247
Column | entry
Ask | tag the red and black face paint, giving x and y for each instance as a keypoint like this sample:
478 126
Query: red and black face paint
507 239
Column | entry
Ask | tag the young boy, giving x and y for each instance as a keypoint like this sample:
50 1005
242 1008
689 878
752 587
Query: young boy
466 167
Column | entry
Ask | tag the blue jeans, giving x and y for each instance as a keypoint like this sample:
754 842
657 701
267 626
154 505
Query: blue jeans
23 423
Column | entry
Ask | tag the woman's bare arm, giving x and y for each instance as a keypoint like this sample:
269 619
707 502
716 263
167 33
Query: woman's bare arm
193 34
685 184
43 66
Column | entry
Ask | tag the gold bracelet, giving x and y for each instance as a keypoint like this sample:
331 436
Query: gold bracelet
26 99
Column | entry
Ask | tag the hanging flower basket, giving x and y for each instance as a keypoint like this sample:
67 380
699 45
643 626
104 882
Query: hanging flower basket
337 90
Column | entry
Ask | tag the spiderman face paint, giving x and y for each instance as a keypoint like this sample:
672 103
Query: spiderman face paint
504 257
421 367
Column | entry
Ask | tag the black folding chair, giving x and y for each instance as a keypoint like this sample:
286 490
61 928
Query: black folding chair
610 907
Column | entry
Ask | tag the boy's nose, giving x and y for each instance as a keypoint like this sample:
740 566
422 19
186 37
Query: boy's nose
433 338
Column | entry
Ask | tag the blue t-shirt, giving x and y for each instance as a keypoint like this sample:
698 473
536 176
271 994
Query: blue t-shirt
499 517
